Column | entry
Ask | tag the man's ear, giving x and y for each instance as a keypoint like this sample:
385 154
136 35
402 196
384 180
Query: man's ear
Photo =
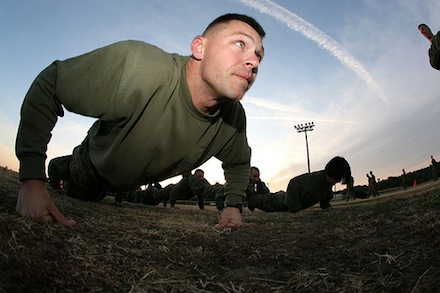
197 47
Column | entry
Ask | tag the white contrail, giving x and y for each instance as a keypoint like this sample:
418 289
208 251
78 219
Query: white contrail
271 105
287 109
311 32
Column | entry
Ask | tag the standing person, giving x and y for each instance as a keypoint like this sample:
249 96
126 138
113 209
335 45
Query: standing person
434 50
404 182
254 185
370 184
350 188
304 190
434 166
373 184
159 115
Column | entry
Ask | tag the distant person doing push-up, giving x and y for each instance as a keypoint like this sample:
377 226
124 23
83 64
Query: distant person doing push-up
304 190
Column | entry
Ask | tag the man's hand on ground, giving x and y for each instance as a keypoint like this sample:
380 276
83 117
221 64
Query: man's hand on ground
34 202
230 218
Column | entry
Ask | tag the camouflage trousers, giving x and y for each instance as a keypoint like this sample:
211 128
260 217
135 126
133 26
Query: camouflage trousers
76 175
220 198
150 196
190 187
268 202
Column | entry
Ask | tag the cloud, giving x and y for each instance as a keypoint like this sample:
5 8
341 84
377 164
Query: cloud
311 32
270 105
279 109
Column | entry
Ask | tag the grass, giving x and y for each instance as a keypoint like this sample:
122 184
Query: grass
391 244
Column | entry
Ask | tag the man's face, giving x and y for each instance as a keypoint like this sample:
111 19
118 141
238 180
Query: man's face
199 175
254 176
232 53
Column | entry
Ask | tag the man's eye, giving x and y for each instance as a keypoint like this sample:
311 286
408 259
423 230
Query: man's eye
240 44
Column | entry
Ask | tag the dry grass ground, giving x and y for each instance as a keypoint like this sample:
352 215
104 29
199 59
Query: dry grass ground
388 245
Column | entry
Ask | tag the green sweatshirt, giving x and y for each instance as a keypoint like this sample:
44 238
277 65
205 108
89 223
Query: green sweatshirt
147 130
306 190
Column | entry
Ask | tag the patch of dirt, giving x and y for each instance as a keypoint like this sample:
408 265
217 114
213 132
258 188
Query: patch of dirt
391 244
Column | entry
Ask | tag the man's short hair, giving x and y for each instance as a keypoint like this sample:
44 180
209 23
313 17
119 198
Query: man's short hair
241 17
254 168
338 168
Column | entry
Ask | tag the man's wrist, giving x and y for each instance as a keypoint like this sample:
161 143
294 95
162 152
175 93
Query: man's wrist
238 206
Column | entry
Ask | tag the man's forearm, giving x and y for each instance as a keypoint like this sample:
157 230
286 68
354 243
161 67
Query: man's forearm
38 117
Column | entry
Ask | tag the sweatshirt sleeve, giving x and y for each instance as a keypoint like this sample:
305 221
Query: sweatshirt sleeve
236 163
39 113
235 185
85 85
262 188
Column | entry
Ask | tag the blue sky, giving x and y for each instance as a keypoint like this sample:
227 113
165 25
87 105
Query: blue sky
358 69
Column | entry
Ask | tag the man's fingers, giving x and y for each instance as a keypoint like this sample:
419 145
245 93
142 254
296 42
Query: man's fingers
45 219
53 216
232 225
222 222
230 218
57 216
228 223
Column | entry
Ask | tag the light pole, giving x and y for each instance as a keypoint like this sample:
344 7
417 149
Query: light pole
304 128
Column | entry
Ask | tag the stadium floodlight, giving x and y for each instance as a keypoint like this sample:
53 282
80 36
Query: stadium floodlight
304 128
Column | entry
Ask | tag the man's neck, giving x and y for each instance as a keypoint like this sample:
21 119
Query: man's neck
202 99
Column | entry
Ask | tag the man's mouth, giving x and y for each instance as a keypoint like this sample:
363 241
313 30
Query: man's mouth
245 77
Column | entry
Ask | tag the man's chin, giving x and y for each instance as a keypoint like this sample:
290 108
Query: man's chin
234 98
